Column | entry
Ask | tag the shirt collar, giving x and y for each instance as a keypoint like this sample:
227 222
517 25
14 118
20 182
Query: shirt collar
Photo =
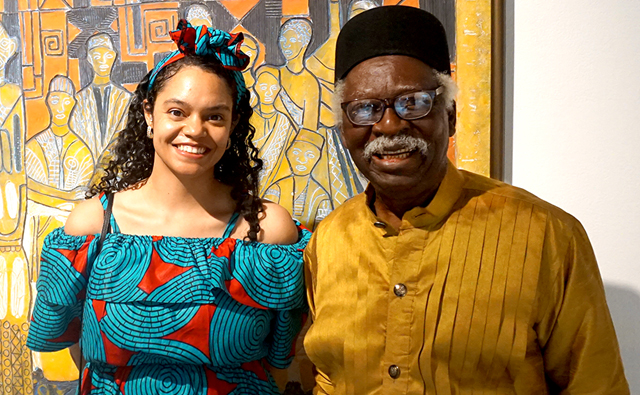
439 208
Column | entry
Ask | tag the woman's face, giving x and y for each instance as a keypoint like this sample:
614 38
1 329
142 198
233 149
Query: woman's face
192 120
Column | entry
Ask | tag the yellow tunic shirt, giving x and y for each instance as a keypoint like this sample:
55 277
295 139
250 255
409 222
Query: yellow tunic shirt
487 290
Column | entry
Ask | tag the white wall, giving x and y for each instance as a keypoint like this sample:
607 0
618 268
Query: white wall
576 133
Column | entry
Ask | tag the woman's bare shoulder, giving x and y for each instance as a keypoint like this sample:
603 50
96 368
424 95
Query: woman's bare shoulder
86 218
277 226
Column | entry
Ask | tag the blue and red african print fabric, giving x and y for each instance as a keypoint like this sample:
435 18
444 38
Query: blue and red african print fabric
171 315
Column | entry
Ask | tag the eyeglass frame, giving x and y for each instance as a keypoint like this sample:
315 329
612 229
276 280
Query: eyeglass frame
390 103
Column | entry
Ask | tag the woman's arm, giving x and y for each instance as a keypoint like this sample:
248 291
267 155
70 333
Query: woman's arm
85 219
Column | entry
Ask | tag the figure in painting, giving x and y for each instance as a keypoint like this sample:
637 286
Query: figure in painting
343 178
274 130
359 6
58 162
303 196
14 282
59 166
252 49
12 132
101 108
300 92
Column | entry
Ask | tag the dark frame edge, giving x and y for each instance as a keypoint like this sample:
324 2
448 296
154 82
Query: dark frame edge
497 161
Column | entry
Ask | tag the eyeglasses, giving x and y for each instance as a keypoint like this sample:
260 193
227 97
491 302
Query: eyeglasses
408 106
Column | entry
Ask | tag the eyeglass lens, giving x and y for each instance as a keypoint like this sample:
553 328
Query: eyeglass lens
408 106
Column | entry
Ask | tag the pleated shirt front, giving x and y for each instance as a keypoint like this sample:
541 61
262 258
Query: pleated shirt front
487 290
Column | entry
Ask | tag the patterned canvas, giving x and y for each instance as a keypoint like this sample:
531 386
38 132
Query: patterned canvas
67 72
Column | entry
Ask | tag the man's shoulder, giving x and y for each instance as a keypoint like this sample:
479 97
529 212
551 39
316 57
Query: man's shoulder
478 184
346 213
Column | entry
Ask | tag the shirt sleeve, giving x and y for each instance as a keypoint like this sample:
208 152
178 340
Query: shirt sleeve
576 334
57 312
323 383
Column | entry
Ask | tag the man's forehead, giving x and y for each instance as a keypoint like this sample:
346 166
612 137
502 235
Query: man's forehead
388 75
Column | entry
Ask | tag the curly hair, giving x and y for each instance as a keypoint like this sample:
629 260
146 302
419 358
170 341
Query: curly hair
131 159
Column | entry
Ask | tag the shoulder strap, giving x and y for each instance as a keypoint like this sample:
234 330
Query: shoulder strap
231 225
106 222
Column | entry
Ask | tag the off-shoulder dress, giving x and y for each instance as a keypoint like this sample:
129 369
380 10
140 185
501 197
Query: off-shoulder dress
171 315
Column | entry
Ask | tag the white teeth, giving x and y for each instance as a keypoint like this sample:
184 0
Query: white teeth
191 149
402 155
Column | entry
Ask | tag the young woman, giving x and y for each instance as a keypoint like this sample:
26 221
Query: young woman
198 286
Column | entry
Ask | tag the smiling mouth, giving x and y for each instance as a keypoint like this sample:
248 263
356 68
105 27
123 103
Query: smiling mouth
394 155
191 149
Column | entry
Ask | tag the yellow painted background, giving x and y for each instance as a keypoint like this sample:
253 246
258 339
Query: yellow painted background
51 135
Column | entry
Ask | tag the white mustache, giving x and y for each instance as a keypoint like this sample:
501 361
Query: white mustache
382 144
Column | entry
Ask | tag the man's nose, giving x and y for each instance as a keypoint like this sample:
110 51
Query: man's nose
390 124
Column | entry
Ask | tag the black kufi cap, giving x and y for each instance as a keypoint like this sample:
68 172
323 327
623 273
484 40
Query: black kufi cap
392 30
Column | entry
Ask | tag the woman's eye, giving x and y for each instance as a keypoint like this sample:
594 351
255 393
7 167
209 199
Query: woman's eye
216 117
175 113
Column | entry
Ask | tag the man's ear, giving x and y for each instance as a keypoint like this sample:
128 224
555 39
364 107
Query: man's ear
452 116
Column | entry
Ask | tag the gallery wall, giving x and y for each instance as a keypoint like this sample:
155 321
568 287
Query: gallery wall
576 134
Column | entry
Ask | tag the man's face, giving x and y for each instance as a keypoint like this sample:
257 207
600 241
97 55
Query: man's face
102 59
396 171
60 104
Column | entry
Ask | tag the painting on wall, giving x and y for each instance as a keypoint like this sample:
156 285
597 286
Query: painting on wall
67 72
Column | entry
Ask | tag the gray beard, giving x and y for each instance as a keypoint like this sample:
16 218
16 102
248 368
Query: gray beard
382 145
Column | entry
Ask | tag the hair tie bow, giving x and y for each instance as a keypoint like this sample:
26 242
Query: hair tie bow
202 41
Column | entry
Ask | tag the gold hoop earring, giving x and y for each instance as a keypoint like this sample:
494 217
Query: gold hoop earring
149 132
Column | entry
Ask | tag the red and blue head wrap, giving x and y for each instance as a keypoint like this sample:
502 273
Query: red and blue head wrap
202 41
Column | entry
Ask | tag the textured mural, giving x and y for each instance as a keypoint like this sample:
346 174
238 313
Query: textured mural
67 70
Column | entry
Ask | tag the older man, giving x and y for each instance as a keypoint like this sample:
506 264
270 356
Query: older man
436 280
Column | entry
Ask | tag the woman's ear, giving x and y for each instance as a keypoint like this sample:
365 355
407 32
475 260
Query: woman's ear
235 122
148 113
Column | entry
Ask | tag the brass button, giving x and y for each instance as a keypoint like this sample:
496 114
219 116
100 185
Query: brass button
380 224
394 371
400 290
